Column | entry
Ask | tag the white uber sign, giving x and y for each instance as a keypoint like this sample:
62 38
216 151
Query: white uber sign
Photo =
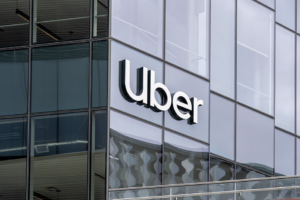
179 105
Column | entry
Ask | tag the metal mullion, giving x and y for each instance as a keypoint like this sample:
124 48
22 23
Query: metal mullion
29 103
108 118
274 82
283 26
235 82
295 164
164 82
89 126
209 71
265 5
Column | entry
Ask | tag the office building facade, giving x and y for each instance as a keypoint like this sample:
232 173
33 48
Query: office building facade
103 99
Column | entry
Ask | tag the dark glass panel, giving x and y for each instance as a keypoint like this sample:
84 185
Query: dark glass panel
100 21
186 161
135 153
59 146
58 20
99 74
13 151
60 77
14 22
99 132
13 82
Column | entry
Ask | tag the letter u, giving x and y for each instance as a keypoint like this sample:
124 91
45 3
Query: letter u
124 83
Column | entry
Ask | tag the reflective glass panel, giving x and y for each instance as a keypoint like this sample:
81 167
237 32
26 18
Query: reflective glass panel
255 56
137 60
284 154
135 157
60 77
255 130
13 82
269 3
100 20
223 47
186 161
99 74
58 20
139 23
285 79
98 166
13 151
244 173
298 84
220 170
14 23
176 80
187 35
222 125
285 13
59 145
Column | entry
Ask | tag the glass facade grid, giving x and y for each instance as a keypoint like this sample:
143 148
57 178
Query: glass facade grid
101 25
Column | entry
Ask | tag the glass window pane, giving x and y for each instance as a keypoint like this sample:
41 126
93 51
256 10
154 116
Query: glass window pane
285 13
284 154
135 158
222 125
60 77
221 170
223 47
194 87
187 35
98 166
255 56
285 79
13 82
255 130
99 74
58 20
245 173
269 3
186 161
137 60
100 21
139 23
59 156
14 23
13 151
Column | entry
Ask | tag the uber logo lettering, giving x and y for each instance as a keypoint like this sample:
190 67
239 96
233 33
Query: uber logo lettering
179 105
